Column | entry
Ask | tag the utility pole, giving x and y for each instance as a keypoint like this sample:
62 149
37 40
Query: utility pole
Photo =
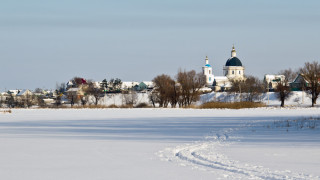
240 92
268 95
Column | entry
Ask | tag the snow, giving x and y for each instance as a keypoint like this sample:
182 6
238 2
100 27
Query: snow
150 84
73 90
128 84
159 144
297 99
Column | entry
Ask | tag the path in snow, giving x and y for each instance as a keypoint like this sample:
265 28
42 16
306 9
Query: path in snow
207 155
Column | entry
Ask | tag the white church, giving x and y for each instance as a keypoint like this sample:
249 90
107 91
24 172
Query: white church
232 70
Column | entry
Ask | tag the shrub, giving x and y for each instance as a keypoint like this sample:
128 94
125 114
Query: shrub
6 111
142 105
89 106
113 106
233 105
126 106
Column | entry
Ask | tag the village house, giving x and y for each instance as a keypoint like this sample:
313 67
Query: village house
300 83
272 81
25 92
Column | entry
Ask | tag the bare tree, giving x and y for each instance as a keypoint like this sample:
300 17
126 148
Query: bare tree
253 89
38 90
190 83
40 101
173 94
60 89
237 87
130 98
250 89
11 101
72 96
84 99
94 91
1 100
153 98
78 81
311 73
162 84
28 100
183 92
283 90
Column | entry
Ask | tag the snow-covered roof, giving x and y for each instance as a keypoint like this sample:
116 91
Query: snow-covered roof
73 90
148 83
129 84
3 93
69 83
228 85
97 84
24 92
206 89
13 91
301 77
271 77
221 78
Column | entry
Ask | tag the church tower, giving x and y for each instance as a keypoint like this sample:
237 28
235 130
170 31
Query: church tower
207 71
233 68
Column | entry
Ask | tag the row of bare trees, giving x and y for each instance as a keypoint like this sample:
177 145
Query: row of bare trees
182 91
251 88
310 79
311 74
21 102
283 89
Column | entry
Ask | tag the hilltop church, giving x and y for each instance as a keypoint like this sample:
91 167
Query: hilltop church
232 70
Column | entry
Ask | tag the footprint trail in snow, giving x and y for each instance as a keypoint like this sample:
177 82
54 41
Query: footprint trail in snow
207 155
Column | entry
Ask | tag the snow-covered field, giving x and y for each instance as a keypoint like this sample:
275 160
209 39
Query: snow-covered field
264 143
297 99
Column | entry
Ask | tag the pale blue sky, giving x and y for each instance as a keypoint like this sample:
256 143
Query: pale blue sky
44 42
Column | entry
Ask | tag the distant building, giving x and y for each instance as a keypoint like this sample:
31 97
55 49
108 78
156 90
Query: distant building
299 83
233 70
273 80
25 92
207 71
13 92
144 86
128 85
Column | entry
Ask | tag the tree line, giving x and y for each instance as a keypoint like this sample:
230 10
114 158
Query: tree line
182 90
179 91
86 89
251 88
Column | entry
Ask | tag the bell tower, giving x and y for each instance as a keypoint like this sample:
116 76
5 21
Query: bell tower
207 71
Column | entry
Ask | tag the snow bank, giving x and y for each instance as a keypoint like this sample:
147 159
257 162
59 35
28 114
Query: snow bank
298 98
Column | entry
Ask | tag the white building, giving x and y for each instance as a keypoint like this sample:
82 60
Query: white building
25 92
273 80
233 69
126 85
207 71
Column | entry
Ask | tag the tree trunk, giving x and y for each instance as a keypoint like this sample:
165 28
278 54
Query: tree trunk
313 101
96 101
